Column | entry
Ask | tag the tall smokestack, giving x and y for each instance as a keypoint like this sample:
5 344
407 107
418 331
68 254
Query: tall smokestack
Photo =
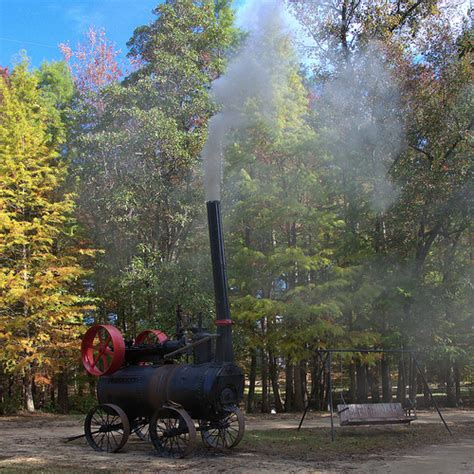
224 349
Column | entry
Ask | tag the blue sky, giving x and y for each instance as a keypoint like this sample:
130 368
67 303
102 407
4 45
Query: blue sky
40 25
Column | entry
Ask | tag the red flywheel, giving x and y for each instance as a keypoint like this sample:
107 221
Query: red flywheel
102 350
151 336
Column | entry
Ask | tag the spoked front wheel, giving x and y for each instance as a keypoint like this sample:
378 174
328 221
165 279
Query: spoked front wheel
224 433
107 428
172 432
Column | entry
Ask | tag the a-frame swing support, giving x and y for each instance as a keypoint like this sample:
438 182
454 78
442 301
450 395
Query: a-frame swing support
327 362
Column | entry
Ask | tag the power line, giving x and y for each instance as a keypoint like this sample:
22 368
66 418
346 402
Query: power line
28 42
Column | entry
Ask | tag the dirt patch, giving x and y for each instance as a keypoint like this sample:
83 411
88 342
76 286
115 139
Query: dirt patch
36 442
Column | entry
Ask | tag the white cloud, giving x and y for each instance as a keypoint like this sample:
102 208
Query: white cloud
84 16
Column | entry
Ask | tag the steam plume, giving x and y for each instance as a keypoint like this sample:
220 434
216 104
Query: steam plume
253 73
360 119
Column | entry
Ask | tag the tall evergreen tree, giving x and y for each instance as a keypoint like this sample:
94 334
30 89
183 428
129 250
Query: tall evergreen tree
278 221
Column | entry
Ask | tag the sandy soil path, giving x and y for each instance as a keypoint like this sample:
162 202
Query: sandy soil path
450 458
37 443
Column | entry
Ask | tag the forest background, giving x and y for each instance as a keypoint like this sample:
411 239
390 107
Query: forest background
346 202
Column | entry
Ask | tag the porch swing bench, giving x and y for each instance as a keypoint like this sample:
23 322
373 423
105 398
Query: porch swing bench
368 414
374 414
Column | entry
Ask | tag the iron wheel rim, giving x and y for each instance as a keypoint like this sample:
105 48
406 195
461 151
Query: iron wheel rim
106 428
225 433
173 433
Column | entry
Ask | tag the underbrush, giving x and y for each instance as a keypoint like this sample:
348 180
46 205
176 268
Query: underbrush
10 406
81 404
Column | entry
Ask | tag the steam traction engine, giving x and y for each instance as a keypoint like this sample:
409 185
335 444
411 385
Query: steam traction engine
143 390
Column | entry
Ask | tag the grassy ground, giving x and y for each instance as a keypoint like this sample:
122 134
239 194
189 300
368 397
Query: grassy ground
351 442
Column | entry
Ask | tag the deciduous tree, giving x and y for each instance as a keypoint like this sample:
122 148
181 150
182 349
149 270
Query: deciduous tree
41 306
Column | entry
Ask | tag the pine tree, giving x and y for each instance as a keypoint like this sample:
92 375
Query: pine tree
279 224
40 307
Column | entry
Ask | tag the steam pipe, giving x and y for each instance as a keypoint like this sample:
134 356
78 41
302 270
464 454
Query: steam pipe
224 349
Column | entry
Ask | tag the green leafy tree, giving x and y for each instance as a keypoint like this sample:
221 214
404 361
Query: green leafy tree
433 216
139 164
393 248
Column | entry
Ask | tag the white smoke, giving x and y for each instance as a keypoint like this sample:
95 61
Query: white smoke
253 74
361 122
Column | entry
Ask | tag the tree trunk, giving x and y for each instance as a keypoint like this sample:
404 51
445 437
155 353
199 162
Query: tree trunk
413 382
322 389
28 391
352 383
426 393
275 385
419 382
457 383
315 383
326 389
386 380
11 383
298 382
41 398
361 371
304 381
450 386
52 396
373 379
289 398
252 377
63 396
265 408
401 382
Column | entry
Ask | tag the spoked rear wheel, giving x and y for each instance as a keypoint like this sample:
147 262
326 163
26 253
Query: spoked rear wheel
172 432
107 428
224 433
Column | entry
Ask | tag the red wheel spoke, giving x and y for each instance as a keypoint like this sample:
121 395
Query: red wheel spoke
102 350
100 335
94 363
105 362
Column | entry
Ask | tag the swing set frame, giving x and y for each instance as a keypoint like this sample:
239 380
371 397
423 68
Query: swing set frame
326 356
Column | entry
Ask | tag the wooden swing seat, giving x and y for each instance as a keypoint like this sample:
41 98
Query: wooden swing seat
373 414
